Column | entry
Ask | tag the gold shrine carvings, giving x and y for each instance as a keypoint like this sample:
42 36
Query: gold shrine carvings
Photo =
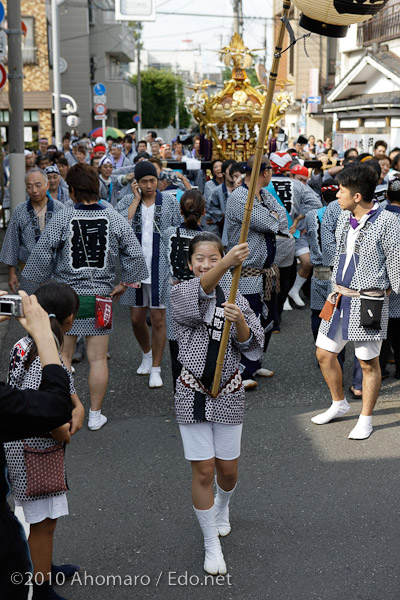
231 117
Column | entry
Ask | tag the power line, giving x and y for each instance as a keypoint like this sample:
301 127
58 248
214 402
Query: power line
161 12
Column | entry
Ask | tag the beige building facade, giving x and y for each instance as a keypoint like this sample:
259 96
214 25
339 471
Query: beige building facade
36 70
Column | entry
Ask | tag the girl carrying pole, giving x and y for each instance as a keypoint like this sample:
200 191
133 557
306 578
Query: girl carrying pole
211 427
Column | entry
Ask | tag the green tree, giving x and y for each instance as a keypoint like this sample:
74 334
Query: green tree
159 98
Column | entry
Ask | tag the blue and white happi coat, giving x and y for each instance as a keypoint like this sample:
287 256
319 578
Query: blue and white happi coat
375 264
297 199
87 242
319 287
166 214
328 233
394 299
261 238
216 208
23 232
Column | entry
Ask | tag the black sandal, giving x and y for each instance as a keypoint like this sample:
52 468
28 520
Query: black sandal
351 390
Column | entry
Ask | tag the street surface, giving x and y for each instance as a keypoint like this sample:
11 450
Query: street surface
315 515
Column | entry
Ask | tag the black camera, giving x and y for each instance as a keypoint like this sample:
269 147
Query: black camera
11 306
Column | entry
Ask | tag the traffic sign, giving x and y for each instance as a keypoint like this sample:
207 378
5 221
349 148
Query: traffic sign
2 12
3 76
100 117
100 109
99 99
136 119
314 100
99 89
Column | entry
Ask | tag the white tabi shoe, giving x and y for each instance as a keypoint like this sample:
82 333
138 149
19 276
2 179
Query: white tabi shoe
296 298
214 562
145 366
155 380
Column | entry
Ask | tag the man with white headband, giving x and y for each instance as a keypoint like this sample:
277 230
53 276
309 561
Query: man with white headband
56 190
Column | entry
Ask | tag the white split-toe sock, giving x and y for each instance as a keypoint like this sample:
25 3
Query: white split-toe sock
221 503
337 409
145 365
363 428
96 420
214 562
155 380
287 305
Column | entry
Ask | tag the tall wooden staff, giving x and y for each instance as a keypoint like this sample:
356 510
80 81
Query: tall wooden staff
252 189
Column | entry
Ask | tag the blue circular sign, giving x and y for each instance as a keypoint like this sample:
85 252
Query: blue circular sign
1 12
136 119
99 89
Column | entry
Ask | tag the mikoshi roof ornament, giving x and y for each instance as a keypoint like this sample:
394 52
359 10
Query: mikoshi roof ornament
333 17
231 117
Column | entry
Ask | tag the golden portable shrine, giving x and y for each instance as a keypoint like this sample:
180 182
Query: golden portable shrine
230 119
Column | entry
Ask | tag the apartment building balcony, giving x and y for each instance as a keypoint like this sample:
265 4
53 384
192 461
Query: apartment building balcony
382 27
114 40
121 95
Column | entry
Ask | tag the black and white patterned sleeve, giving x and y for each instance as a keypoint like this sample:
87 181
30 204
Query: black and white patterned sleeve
10 247
133 264
261 218
123 205
185 303
176 217
328 233
391 247
39 266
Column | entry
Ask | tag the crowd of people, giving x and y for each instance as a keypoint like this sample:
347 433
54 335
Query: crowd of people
174 236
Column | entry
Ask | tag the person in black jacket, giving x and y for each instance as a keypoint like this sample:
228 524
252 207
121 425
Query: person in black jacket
25 413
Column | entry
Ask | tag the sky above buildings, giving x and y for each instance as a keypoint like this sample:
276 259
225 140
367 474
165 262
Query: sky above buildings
179 31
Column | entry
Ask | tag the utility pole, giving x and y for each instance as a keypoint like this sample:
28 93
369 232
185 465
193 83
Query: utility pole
16 104
236 4
238 17
55 44
139 92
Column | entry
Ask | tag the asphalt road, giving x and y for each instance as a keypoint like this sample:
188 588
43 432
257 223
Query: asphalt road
315 515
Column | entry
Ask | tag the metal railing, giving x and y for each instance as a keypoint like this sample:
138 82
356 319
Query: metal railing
382 27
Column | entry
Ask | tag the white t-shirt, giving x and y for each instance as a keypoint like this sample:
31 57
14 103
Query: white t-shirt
147 236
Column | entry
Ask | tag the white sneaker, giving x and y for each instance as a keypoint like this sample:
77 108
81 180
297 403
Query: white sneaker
264 373
249 384
296 298
287 305
96 421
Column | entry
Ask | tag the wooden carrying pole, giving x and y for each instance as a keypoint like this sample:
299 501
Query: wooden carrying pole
252 190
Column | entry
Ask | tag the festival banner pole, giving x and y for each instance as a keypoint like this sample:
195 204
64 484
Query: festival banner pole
259 151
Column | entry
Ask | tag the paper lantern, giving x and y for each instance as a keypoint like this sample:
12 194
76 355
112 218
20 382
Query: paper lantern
333 17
